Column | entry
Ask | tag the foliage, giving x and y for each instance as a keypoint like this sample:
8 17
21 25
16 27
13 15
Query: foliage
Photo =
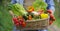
5 18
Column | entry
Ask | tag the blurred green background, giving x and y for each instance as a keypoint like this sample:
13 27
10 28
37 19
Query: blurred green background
57 12
6 19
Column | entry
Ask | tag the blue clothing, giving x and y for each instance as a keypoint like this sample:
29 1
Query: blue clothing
49 2
50 5
14 28
17 1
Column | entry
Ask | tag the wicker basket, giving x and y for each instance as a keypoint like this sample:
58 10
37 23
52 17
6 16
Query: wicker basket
34 24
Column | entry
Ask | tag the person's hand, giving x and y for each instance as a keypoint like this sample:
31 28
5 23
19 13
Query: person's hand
11 13
52 18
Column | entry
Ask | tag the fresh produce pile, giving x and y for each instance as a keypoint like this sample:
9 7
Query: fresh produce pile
37 11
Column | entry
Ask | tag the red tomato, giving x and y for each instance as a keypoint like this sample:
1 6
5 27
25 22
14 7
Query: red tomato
23 24
14 19
51 16
17 24
21 20
20 23
50 22
53 19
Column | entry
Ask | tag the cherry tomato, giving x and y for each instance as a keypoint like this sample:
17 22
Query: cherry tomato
52 17
17 24
50 22
23 24
21 20
20 23
14 19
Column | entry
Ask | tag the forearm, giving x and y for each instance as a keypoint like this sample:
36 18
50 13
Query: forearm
52 8
51 5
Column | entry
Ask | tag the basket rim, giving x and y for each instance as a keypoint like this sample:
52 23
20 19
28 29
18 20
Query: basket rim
36 20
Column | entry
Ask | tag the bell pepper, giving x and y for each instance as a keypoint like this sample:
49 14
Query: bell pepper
43 15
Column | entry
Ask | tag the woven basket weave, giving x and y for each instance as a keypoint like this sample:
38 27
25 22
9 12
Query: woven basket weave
34 24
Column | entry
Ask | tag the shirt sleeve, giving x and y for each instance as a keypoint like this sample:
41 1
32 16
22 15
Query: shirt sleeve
17 1
51 5
21 2
13 1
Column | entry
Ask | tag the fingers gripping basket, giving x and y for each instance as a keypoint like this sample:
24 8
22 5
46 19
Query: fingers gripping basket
34 24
